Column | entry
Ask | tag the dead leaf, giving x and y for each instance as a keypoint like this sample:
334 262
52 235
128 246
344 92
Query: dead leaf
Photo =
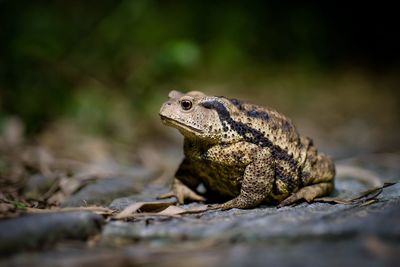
369 202
175 210
365 198
68 186
172 210
95 209
141 209
56 198
333 200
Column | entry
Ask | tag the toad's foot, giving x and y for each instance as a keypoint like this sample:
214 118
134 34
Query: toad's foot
220 207
182 193
239 202
309 193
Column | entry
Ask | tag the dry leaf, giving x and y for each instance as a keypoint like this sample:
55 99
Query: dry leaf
333 200
155 209
69 186
95 209
142 207
364 198
172 210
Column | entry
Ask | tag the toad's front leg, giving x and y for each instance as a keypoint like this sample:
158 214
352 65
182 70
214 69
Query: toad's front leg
183 185
181 192
256 186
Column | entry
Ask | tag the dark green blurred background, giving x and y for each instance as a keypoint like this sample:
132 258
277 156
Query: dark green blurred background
106 66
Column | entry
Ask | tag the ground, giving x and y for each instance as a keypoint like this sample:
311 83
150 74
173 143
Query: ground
363 233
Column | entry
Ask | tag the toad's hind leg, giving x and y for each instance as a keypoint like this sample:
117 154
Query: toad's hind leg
257 184
309 193
321 173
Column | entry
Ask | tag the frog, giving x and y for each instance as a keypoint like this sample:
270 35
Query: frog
243 154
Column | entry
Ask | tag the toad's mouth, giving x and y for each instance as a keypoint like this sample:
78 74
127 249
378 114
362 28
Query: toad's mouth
175 123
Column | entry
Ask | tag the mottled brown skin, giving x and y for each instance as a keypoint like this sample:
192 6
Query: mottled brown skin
245 153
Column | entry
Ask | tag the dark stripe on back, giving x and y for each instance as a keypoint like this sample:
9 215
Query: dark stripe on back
251 113
250 134
236 103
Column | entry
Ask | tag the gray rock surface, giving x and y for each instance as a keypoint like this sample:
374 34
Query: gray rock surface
43 230
149 193
102 192
265 223
368 250
317 234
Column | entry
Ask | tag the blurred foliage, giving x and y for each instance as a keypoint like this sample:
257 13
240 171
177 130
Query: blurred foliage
109 64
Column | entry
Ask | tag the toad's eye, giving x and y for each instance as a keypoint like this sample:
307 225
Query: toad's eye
186 104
